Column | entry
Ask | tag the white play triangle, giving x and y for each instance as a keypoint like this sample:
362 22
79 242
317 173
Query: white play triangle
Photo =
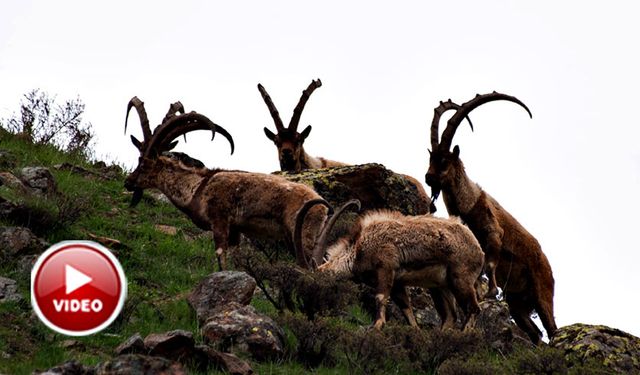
74 279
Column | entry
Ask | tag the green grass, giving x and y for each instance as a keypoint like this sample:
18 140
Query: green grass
161 269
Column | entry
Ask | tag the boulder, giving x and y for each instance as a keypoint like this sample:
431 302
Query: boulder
219 289
39 179
246 330
497 328
615 349
20 241
137 364
224 361
72 367
8 290
13 182
176 345
133 345
374 185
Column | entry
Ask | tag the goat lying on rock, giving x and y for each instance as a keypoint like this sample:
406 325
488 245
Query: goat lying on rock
290 143
391 251
229 203
514 259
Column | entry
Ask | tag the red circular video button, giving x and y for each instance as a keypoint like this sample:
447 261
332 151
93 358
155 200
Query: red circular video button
77 287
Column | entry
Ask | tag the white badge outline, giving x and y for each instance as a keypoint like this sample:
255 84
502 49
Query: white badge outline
84 244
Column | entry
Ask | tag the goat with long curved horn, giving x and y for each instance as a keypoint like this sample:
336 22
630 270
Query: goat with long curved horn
228 203
514 259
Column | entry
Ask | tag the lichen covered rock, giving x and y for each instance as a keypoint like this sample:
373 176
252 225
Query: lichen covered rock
218 289
374 185
617 350
244 329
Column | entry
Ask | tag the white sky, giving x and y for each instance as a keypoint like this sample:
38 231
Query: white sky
570 175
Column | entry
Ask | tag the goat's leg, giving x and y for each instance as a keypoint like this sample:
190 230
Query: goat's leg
544 308
384 280
221 239
492 256
464 289
521 311
445 305
400 296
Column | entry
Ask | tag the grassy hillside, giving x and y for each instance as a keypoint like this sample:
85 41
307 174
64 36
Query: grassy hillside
162 269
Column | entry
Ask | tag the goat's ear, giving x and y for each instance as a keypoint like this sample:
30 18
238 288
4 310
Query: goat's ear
269 134
171 146
456 151
136 143
305 132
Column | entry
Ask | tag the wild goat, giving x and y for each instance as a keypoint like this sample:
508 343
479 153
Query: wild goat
513 257
290 143
228 203
390 251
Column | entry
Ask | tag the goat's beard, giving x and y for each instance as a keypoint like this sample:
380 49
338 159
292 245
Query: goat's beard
435 193
136 198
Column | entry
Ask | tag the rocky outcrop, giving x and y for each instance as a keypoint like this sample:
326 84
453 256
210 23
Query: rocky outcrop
374 185
615 349
19 241
179 346
136 364
242 328
39 179
218 290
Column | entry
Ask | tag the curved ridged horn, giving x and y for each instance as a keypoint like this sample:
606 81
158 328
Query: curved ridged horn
297 232
272 108
180 125
466 108
321 243
435 123
297 112
142 113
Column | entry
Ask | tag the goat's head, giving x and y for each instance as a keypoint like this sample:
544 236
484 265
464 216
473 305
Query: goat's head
288 140
176 123
444 162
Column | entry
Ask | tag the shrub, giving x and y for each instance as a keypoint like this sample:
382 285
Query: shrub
43 121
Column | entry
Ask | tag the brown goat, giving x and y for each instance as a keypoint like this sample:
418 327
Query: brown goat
513 257
229 203
290 143
391 251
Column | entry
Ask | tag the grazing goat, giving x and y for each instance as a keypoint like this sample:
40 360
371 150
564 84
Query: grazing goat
229 203
513 257
290 143
391 251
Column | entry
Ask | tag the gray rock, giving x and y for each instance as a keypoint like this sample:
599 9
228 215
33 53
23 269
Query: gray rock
207 357
13 182
374 185
218 289
133 345
20 241
243 328
72 367
8 290
136 364
39 179
497 328
174 345
615 349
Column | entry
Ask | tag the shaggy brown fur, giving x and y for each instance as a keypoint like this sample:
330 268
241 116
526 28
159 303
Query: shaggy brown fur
514 259
228 203
390 251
